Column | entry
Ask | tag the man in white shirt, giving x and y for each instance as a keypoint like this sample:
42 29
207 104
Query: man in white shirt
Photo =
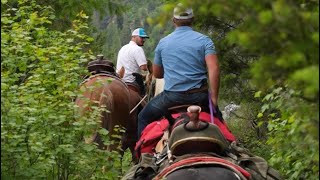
131 57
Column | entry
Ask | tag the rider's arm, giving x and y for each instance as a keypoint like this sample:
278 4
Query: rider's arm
214 76
144 67
144 71
157 71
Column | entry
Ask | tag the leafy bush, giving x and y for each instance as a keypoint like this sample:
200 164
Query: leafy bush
284 37
41 69
243 124
293 133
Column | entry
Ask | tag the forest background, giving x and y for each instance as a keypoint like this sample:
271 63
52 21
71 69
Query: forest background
269 60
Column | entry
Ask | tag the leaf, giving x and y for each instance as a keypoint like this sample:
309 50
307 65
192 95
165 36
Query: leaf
271 127
315 37
88 148
265 17
278 90
291 119
265 107
69 40
257 94
268 97
272 115
260 124
103 131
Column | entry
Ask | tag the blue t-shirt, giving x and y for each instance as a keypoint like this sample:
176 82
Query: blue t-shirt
182 55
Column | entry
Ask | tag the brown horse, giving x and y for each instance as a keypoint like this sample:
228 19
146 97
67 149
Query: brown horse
104 89
194 146
188 149
190 144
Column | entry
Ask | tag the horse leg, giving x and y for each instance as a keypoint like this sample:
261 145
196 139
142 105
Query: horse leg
130 143
130 138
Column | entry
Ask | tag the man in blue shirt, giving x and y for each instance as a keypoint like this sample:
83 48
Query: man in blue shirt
185 59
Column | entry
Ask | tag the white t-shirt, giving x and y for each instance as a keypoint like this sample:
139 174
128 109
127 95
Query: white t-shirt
131 57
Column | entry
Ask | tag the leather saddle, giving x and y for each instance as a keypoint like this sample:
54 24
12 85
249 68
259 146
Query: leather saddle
101 65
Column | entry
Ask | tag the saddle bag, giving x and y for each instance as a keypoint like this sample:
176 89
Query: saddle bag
152 134
255 165
150 137
144 170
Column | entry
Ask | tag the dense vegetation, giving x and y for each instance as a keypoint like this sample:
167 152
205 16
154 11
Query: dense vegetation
269 57
40 73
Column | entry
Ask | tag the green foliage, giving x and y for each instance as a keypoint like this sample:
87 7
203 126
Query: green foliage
262 45
250 134
114 31
293 132
41 68
66 11
283 36
278 40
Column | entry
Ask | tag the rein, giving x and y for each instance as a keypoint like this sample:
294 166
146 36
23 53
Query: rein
212 110
138 104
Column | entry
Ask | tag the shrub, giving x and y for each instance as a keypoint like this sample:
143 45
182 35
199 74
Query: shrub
41 69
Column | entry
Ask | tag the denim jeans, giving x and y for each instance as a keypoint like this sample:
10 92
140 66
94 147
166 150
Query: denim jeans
157 107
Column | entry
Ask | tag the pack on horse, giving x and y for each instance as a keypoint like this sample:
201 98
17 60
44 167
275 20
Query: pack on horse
104 88
190 144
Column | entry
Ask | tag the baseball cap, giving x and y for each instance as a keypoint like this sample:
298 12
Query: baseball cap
140 32
182 12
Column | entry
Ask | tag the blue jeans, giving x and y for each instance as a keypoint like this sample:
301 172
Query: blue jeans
157 107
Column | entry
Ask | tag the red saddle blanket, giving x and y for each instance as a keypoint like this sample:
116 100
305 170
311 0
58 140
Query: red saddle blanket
154 131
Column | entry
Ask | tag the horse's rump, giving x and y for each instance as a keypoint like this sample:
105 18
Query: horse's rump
109 93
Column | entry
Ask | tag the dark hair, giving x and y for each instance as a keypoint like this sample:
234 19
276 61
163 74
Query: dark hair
183 22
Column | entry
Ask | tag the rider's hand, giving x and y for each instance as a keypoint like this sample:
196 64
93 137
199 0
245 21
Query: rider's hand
218 113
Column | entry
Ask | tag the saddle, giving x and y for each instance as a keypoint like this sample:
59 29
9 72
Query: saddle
189 138
101 65
135 87
196 142
196 136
